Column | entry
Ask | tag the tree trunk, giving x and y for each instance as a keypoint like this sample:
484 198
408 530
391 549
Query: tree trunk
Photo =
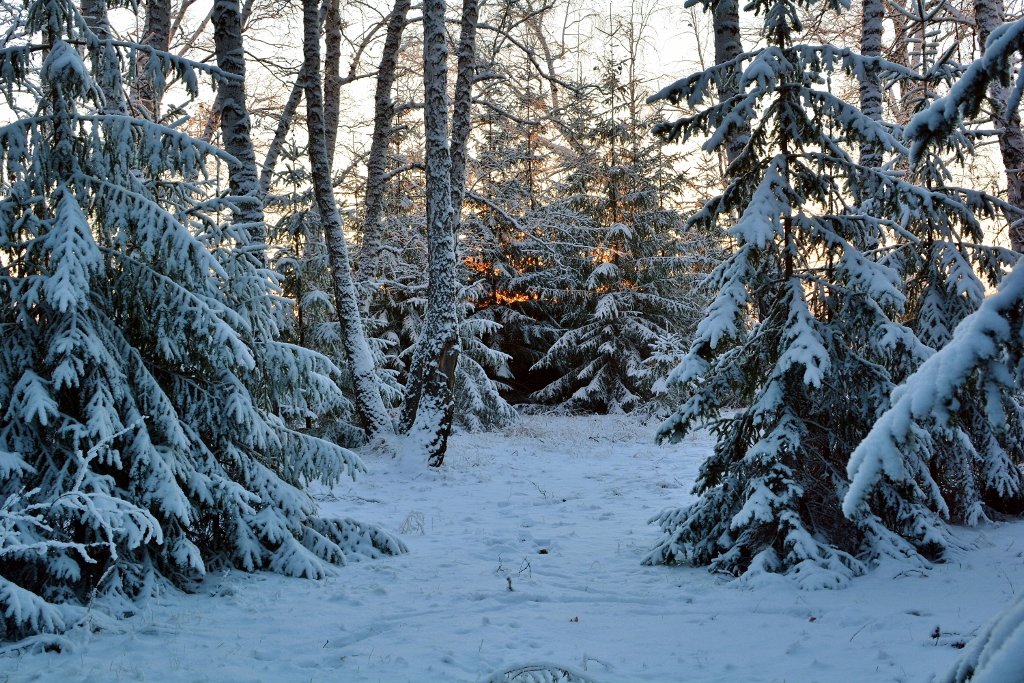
369 405
728 46
235 126
332 77
376 164
871 85
158 37
94 12
280 133
463 108
989 15
429 405
871 104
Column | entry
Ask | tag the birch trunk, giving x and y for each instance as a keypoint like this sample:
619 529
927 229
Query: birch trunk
989 15
284 124
332 77
369 405
871 85
376 164
871 100
463 107
728 46
429 405
234 122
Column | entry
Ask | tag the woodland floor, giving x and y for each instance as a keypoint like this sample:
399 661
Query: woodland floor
555 507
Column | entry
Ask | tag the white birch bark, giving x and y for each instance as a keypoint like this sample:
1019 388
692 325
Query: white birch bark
369 405
235 125
376 164
429 406
871 101
463 105
332 76
989 15
871 85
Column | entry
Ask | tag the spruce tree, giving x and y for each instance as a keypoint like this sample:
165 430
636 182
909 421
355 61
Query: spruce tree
143 437
634 283
805 329
951 444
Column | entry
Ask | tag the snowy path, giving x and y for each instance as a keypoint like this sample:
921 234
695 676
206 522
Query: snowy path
558 506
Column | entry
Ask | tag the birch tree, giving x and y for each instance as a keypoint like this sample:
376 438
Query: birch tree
235 124
369 404
383 121
462 113
872 17
429 401
728 47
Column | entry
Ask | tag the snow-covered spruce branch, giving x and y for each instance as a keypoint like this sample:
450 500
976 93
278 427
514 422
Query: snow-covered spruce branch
965 99
985 350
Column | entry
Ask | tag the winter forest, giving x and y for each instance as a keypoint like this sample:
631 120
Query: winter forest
698 307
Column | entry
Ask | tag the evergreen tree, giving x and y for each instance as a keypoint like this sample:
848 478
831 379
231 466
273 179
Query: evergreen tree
142 438
805 327
634 285
952 440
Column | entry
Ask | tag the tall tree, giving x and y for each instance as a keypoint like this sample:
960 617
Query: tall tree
872 18
376 162
462 113
332 75
901 486
369 404
804 328
728 47
429 401
236 128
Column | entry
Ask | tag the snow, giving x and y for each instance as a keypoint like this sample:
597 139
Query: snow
556 508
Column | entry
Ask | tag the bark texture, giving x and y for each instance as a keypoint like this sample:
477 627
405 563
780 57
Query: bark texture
429 405
235 125
157 37
369 405
332 77
989 15
95 14
376 163
871 102
462 110
871 85
728 46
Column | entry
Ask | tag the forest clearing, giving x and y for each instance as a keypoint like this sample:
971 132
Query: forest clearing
557 508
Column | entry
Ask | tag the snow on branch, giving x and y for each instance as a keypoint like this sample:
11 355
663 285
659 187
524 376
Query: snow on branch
967 95
930 396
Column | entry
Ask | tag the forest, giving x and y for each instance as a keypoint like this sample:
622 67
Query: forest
249 248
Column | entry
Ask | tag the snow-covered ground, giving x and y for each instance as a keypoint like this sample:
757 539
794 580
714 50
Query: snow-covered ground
525 548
